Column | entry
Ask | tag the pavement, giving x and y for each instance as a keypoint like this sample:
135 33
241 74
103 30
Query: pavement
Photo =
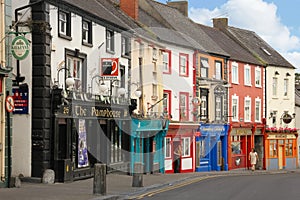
118 186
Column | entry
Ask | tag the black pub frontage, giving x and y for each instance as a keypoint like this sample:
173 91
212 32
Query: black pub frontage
89 132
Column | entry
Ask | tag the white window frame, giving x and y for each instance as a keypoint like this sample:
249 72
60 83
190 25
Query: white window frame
218 70
274 86
285 87
257 110
183 106
186 143
74 65
257 77
183 64
110 40
247 109
154 53
247 75
63 20
218 116
203 107
235 114
235 73
166 62
204 67
168 147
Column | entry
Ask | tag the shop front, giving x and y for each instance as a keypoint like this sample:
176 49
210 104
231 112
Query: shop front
89 132
146 139
180 134
281 149
211 147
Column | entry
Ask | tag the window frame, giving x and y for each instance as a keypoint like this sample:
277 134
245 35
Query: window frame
168 147
258 77
186 143
235 117
218 73
88 32
247 116
274 87
110 41
235 73
204 67
125 46
184 108
67 25
285 87
247 75
257 115
167 66
167 102
182 67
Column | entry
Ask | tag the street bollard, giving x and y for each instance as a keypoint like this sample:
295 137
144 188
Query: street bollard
99 186
137 179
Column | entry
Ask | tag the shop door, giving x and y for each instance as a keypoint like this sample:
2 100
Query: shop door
280 157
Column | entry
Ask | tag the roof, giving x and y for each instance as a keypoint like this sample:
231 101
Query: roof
186 27
236 52
259 48
297 97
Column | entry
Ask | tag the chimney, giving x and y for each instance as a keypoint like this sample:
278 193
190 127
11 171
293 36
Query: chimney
130 7
220 23
182 6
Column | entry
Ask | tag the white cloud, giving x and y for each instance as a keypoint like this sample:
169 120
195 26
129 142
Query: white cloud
258 16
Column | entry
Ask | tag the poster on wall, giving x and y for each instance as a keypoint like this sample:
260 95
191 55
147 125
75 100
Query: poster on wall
20 95
83 160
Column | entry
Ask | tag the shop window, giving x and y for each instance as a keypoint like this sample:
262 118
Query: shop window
273 148
116 143
168 147
289 148
236 144
185 141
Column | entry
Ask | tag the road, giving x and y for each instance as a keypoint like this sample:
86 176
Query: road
247 187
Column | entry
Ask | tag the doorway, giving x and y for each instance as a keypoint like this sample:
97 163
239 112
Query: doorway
280 157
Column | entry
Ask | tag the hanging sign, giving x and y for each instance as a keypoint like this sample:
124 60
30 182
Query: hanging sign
20 96
110 68
20 47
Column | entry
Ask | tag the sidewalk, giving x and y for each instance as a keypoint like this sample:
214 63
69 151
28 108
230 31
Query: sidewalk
118 186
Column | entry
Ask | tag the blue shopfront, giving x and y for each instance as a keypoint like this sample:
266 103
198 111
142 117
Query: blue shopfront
211 148
147 139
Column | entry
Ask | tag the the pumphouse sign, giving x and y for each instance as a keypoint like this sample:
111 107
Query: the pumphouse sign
20 47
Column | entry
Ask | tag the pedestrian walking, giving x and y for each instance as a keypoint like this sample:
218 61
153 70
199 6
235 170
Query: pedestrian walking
253 157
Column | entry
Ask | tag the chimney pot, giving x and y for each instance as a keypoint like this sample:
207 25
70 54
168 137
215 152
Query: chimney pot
220 23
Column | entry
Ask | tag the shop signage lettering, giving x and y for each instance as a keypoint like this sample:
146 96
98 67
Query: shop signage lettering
105 113
282 136
93 111
20 47
213 129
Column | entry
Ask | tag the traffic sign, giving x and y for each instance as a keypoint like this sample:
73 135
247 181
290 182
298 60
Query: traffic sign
9 104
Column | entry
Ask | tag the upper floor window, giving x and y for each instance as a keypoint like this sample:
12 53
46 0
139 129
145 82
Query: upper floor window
235 73
154 53
258 77
125 46
285 87
218 116
257 110
86 32
247 109
167 102
235 108
247 75
274 86
183 64
183 106
110 41
204 66
218 70
167 62
64 23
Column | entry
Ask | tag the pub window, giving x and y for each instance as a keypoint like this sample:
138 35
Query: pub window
236 144
289 147
273 148
185 141
168 147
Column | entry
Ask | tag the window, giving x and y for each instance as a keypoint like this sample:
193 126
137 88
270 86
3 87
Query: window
125 46
204 67
183 64
247 109
274 86
115 144
86 32
204 106
141 50
167 102
257 110
235 108
110 41
183 106
247 75
168 147
236 144
258 77
167 62
218 116
154 53
285 87
235 73
76 65
273 148
185 142
289 147
218 70
64 23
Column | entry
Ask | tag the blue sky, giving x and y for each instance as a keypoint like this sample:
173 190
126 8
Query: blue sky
276 21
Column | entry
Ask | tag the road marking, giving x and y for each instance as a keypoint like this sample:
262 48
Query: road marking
185 183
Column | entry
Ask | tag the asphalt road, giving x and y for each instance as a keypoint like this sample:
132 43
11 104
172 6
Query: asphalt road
247 187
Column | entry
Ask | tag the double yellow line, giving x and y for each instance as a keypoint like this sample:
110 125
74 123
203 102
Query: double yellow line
152 193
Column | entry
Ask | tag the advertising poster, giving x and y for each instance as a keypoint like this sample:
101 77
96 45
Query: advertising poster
82 145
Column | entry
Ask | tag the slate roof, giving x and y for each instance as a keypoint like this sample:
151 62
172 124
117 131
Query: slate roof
187 27
259 47
236 52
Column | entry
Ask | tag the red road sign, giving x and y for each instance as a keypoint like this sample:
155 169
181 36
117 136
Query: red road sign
9 104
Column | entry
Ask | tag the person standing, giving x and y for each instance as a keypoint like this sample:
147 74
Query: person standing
177 155
253 157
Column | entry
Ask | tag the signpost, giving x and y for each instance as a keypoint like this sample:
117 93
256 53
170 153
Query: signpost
9 104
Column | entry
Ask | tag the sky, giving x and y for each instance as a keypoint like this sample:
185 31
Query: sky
276 21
